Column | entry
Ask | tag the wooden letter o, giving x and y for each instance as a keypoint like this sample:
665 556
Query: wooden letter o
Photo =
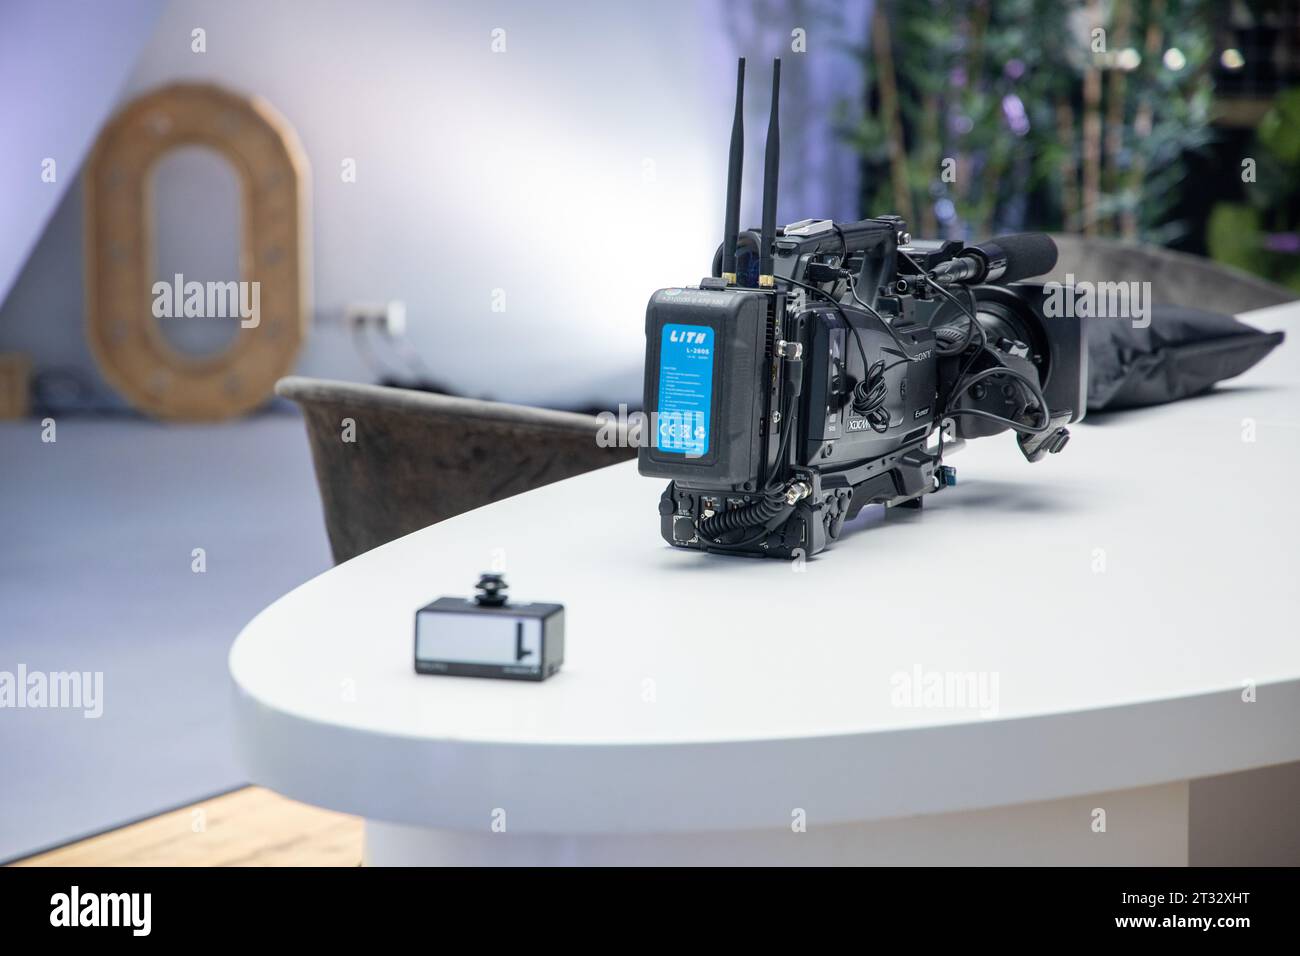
124 336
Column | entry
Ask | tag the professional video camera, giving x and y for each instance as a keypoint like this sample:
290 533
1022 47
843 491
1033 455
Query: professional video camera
826 366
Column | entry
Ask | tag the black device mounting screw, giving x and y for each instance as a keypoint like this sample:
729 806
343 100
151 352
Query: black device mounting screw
491 590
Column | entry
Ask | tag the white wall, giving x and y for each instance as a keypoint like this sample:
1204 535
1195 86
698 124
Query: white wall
578 171
62 63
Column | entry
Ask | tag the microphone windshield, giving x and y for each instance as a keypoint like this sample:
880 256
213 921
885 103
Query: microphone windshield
1027 254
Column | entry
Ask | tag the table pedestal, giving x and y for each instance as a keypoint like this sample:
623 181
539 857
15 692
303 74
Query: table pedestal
1146 826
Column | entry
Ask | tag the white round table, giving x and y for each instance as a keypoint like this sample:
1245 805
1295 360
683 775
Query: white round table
1030 669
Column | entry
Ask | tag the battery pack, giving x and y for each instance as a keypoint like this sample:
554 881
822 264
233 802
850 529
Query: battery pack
704 388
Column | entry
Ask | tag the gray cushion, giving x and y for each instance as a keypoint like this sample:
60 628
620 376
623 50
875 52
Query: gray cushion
1176 278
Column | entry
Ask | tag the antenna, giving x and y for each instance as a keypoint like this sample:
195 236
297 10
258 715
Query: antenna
771 166
731 222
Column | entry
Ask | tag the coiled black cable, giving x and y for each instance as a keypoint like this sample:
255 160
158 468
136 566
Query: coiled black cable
870 395
737 519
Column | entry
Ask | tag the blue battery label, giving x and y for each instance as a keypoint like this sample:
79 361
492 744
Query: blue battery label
685 389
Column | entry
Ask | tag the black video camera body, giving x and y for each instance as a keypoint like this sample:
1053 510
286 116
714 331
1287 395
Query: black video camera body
826 366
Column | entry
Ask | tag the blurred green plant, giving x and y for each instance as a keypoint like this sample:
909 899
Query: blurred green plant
1262 235
1069 115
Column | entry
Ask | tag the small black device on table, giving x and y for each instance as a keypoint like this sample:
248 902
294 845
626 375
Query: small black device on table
488 636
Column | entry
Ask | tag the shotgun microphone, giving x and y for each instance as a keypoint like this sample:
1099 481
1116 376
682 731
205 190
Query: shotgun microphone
1005 259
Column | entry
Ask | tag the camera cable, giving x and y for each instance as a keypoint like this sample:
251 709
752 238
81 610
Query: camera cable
964 383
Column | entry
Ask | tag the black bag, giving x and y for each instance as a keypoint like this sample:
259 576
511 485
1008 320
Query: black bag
1183 352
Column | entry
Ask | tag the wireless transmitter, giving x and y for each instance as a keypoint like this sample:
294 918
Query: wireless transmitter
488 637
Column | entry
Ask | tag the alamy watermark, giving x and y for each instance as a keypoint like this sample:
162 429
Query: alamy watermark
133 911
946 690
684 431
208 300
68 690
1098 300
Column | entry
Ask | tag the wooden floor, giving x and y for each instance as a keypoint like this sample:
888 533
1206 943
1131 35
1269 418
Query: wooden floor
248 827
